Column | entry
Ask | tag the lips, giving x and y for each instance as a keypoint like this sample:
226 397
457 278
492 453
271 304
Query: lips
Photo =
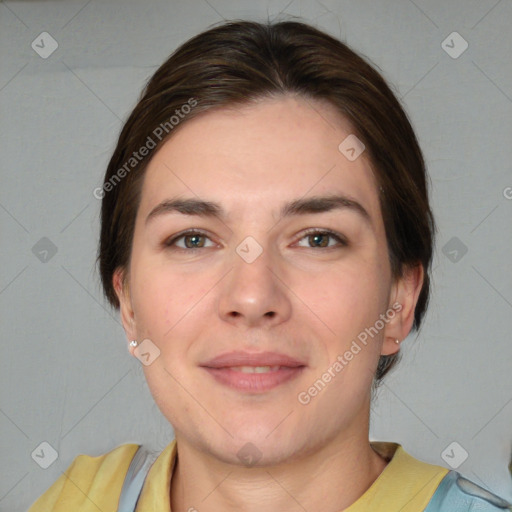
239 358
253 372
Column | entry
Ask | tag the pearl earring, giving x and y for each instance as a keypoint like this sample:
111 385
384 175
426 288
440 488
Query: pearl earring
397 342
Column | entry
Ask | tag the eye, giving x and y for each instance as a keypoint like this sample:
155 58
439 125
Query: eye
321 237
192 240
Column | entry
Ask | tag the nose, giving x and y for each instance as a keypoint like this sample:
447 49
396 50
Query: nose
254 293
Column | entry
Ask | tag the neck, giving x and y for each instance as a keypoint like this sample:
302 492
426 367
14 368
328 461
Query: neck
329 479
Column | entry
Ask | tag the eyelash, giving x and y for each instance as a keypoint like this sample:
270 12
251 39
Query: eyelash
170 243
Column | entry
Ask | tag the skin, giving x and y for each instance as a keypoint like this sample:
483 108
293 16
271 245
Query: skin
196 305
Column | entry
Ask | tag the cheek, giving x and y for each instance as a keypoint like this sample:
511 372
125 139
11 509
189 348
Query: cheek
166 303
350 305
156 297
349 296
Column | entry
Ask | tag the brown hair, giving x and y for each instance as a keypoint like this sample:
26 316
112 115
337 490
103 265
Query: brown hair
243 61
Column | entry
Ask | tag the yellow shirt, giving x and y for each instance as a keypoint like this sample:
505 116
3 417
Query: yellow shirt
93 484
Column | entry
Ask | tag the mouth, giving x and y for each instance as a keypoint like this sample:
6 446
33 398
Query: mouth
253 372
255 369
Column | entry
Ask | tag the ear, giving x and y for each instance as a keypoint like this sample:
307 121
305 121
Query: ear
122 290
403 299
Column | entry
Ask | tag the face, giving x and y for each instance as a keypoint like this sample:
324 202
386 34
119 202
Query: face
252 286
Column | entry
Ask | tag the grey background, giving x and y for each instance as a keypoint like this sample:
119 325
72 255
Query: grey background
66 375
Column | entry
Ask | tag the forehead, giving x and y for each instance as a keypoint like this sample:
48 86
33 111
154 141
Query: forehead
258 155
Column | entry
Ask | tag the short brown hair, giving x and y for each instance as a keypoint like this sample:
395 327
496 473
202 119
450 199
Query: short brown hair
243 61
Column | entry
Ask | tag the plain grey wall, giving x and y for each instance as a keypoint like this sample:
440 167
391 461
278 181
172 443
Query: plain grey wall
66 376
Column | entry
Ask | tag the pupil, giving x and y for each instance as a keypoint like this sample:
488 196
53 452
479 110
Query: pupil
316 237
193 238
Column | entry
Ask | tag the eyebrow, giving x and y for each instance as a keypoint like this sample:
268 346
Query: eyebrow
303 206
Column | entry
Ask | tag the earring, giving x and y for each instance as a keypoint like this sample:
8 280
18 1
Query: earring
397 342
134 343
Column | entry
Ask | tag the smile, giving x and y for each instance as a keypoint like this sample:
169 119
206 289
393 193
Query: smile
255 369
254 379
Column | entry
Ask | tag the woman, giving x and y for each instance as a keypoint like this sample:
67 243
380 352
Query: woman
267 236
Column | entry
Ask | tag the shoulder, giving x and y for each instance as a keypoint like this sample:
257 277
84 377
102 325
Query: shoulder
89 483
458 494
412 484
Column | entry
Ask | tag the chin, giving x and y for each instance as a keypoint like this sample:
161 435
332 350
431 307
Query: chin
255 453
256 448
262 428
